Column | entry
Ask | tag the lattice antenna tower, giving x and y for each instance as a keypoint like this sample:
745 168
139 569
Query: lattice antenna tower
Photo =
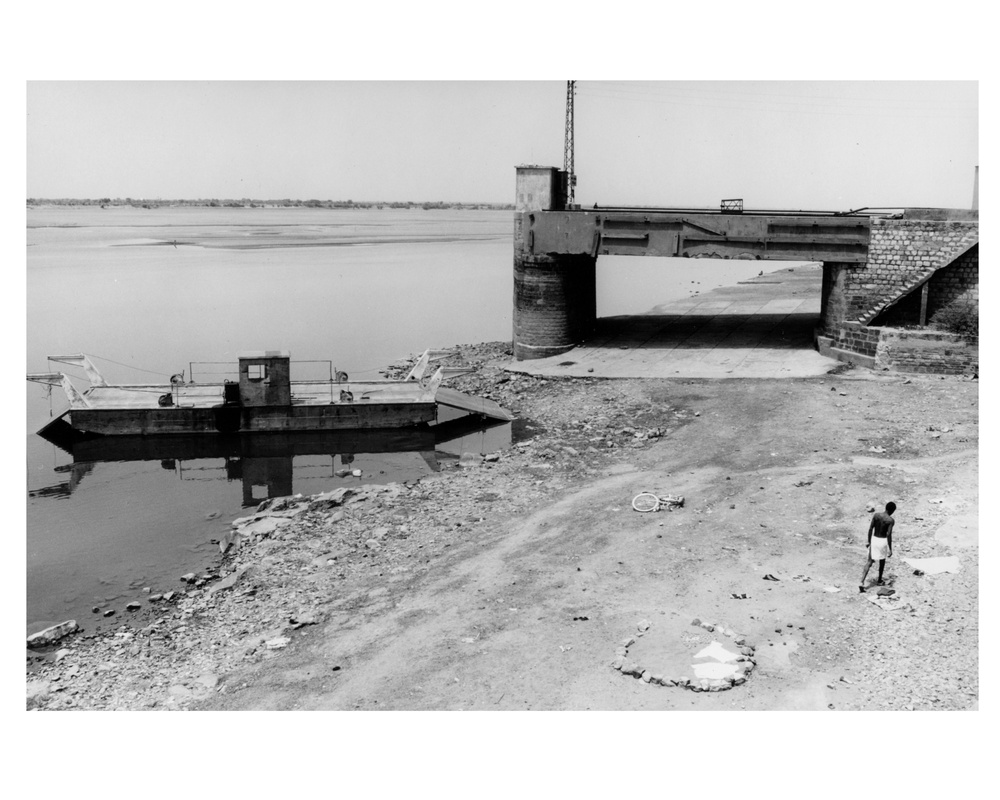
568 167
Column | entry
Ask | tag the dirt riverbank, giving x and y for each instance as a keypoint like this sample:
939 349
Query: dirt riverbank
508 582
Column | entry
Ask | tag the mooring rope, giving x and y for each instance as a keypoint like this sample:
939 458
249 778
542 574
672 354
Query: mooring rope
129 366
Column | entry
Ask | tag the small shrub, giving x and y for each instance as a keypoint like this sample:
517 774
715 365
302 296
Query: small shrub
960 316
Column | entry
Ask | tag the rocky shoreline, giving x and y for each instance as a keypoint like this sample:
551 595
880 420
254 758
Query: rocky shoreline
298 569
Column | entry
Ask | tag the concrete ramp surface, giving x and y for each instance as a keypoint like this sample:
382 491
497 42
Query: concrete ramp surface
762 328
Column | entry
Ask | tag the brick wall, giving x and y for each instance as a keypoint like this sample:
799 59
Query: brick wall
900 252
856 338
926 351
934 352
959 280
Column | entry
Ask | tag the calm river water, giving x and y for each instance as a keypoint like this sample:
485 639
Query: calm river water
146 292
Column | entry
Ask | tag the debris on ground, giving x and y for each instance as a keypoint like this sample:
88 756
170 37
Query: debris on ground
52 634
935 566
894 603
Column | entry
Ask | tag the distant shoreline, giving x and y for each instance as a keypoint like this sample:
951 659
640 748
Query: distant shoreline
129 202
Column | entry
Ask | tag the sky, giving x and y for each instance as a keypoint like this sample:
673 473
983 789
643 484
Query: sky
779 144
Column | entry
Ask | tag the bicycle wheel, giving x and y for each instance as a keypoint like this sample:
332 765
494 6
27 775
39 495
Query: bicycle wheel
645 501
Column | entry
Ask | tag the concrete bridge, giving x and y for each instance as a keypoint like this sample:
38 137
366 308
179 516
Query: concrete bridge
880 266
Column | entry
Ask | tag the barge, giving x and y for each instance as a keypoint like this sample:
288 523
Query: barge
262 399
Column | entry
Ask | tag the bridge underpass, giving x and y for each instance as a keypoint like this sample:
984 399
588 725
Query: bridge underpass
763 327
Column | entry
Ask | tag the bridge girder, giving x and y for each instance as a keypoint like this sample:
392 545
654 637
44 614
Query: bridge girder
781 236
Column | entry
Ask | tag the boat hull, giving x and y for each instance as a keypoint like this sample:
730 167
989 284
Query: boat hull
257 419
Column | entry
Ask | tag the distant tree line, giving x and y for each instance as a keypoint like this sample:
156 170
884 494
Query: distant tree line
107 202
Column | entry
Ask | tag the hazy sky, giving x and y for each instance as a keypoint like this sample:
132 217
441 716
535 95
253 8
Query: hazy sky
776 144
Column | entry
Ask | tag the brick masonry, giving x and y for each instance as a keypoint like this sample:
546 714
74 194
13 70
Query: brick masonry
862 302
935 352
555 303
926 351
902 254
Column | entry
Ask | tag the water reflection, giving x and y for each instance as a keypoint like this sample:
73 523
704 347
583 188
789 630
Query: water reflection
269 464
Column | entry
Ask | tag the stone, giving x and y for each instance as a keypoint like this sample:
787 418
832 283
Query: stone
109 613
373 544
470 460
230 580
656 679
618 662
277 643
53 633
38 690
303 618
188 578
208 680
644 625
179 692
133 606
646 676
327 559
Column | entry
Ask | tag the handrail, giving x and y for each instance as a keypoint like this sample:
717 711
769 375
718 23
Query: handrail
235 370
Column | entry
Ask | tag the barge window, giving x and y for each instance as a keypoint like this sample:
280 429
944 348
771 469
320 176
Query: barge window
257 372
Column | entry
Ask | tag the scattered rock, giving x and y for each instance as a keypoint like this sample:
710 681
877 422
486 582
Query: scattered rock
38 691
302 618
208 680
470 460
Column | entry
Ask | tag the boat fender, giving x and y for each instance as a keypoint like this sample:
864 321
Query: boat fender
166 400
341 377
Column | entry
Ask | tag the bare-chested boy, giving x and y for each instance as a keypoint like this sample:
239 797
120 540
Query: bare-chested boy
879 542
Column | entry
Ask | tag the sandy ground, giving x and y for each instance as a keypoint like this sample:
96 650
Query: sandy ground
509 582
